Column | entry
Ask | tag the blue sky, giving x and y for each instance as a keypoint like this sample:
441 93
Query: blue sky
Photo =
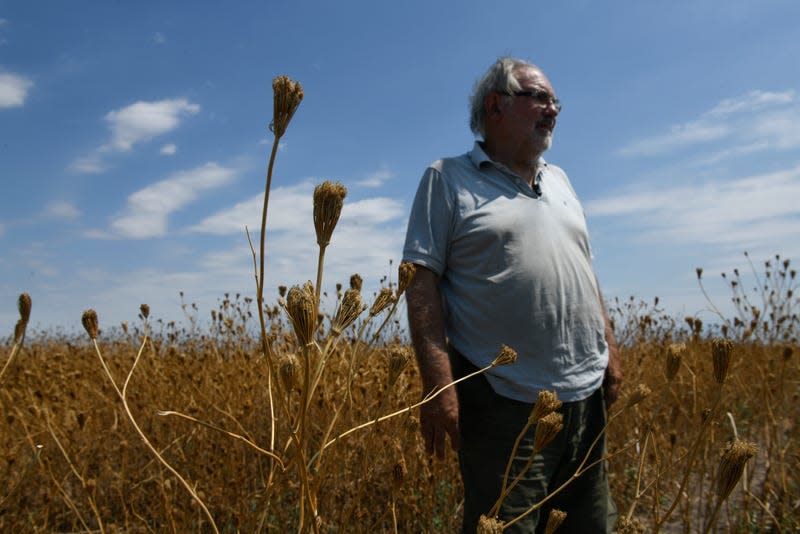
134 138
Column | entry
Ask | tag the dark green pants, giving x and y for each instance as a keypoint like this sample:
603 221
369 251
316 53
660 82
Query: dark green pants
489 425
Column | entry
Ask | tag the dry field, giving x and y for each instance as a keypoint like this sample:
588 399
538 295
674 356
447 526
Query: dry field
273 416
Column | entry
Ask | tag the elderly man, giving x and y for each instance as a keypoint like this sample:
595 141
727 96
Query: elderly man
503 256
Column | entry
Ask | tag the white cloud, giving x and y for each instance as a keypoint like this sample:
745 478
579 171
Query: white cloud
62 210
377 178
169 149
744 213
13 90
756 121
91 164
158 38
149 208
142 121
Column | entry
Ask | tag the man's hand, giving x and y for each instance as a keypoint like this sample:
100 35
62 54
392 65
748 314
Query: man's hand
439 417
612 380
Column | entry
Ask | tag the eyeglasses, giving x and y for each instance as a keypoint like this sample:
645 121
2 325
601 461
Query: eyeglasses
542 97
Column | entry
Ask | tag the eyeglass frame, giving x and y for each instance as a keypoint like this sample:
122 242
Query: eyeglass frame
541 96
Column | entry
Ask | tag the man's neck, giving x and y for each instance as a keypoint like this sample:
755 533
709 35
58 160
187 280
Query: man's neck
523 163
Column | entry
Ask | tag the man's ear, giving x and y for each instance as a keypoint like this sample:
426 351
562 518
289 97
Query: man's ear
493 105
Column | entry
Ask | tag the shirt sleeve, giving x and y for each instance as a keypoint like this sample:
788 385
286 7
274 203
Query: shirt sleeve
430 223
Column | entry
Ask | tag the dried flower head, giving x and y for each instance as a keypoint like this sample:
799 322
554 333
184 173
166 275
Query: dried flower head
356 282
144 309
382 301
731 466
546 404
24 305
547 428
405 273
554 520
90 323
282 290
399 473
300 305
328 202
398 360
638 395
286 99
674 356
721 350
506 356
630 526
490 525
349 310
289 370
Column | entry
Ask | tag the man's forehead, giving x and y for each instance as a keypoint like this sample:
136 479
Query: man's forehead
531 76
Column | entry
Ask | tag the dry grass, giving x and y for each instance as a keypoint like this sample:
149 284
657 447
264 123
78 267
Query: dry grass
275 417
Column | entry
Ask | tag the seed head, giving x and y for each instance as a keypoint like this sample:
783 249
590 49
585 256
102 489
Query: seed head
349 310
721 350
547 403
490 525
630 526
289 369
405 273
382 301
300 305
144 309
639 394
674 356
554 520
356 282
731 466
547 428
398 359
24 305
286 99
399 473
507 356
90 323
328 202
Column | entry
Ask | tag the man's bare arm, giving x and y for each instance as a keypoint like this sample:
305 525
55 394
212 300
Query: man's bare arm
613 378
438 417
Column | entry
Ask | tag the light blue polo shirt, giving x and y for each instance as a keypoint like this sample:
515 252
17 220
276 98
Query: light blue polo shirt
516 269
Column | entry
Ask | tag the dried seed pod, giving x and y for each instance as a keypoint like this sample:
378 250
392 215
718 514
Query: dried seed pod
349 310
547 403
398 359
405 274
554 520
287 95
721 350
356 282
490 525
674 356
24 306
731 466
328 203
638 395
19 330
507 356
289 370
547 428
144 309
90 323
382 301
300 305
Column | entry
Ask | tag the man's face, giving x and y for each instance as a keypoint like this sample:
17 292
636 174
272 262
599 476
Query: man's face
531 120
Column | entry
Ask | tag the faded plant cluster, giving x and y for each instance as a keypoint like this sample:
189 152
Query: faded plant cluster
310 426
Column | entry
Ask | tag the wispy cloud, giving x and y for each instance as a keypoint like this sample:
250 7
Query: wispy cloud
61 210
756 121
13 90
133 124
377 178
148 209
754 211
158 38
169 150
143 121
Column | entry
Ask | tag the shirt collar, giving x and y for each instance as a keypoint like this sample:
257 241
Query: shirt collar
479 157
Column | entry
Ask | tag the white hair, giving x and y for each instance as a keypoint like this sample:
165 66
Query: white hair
499 78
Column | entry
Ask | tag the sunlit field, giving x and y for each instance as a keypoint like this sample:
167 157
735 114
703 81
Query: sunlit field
269 414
